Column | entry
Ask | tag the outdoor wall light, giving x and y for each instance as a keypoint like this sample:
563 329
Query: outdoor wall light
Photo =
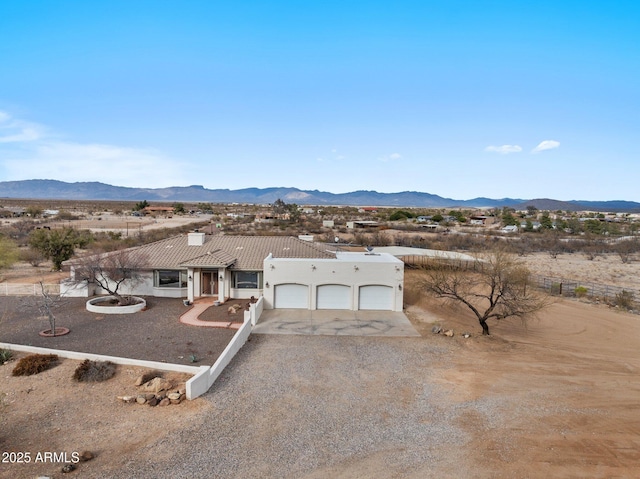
221 277
355 267
272 266
267 284
190 278
313 267
400 287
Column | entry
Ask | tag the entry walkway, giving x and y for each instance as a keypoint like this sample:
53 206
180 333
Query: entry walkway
191 316
334 323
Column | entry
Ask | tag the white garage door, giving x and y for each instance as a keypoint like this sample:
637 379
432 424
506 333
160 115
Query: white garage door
376 297
333 296
292 296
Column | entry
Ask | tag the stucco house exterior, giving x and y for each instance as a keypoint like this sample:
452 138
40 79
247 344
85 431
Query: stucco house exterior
287 271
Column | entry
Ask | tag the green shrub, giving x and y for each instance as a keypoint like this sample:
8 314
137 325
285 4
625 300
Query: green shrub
34 364
5 356
581 291
94 371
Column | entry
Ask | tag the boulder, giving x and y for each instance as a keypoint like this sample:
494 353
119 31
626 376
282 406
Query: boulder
86 456
449 333
156 385
141 399
164 402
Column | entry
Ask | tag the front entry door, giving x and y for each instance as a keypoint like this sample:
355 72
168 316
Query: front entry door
209 283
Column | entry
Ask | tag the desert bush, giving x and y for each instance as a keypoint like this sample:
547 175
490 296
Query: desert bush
624 299
34 364
32 256
5 355
94 371
581 291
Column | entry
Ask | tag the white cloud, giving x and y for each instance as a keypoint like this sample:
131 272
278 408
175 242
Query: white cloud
546 145
504 149
43 156
18 131
110 164
391 157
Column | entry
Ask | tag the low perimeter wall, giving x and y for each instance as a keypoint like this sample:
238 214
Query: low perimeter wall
202 382
181 368
204 376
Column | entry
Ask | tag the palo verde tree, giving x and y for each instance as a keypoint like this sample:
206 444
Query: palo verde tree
495 286
57 245
111 271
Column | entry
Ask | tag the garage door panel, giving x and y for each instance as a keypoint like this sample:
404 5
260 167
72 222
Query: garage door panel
333 296
291 296
375 297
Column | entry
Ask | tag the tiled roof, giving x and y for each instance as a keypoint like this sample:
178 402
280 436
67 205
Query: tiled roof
239 252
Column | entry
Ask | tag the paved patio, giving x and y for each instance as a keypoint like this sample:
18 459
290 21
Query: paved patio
335 323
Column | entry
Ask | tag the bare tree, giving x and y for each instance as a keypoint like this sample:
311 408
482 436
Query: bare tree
110 271
46 307
627 248
493 287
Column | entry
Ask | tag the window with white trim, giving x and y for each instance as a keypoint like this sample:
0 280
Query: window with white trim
247 279
170 278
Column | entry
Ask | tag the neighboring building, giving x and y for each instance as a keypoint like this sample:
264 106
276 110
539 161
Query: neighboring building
480 220
155 210
362 224
510 229
271 217
287 271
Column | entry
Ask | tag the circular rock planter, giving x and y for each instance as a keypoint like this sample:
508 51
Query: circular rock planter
58 332
108 305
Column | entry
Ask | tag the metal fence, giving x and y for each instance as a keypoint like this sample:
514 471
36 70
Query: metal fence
576 288
27 289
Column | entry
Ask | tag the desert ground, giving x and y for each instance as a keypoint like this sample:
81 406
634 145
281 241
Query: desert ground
556 397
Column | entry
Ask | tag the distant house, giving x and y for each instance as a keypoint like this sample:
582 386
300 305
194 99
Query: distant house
535 225
154 210
368 209
268 217
288 272
362 224
510 229
480 220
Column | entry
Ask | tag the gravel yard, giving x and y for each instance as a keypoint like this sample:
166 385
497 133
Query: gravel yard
155 334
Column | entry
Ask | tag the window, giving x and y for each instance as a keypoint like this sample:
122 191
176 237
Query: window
247 280
169 278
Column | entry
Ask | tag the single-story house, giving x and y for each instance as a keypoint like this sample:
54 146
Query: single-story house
510 229
287 271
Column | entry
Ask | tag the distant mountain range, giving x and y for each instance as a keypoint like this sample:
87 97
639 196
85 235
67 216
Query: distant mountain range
53 189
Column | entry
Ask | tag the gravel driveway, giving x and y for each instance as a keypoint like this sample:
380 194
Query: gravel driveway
300 406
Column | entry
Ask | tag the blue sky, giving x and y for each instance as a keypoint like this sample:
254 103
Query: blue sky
456 98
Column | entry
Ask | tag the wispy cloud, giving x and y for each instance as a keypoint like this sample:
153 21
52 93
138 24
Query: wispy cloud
391 157
18 131
43 156
504 149
546 145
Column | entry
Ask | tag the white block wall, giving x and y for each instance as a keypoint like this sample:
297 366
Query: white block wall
350 269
